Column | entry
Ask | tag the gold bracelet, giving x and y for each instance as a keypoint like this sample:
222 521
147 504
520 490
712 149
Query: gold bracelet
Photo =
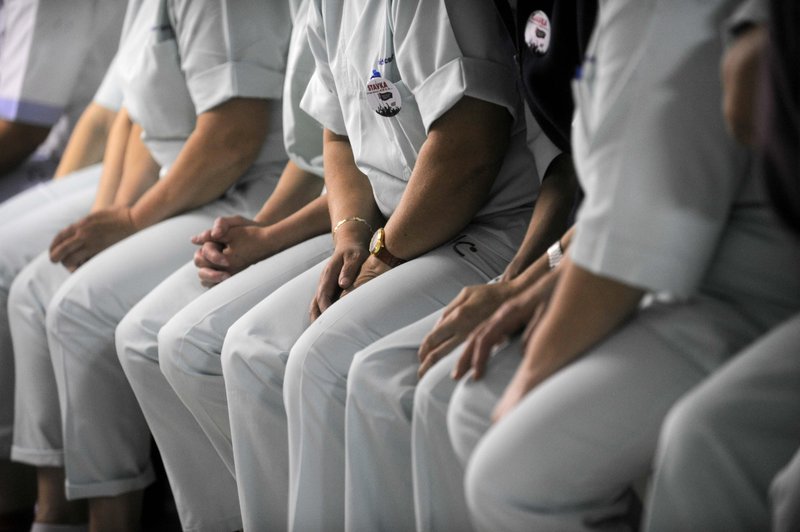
351 219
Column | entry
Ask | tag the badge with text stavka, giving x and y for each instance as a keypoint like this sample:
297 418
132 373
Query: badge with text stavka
383 96
537 32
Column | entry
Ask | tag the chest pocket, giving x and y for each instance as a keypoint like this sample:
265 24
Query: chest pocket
156 92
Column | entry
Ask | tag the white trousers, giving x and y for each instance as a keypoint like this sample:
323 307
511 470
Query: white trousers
380 429
275 335
724 442
566 457
28 222
62 328
180 320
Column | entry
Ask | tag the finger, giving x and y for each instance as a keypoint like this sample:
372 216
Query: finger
61 237
219 228
487 339
436 355
201 238
350 268
464 360
72 261
210 277
65 248
328 288
454 304
314 311
431 340
213 253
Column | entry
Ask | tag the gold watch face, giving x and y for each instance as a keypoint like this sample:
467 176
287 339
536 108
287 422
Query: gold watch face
376 242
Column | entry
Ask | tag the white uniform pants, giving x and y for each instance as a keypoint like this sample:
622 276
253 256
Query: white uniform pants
381 389
723 443
785 496
28 222
197 320
566 457
63 329
258 346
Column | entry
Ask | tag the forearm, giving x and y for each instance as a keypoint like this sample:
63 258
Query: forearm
87 143
452 178
311 220
584 310
139 170
349 191
550 214
296 189
113 161
224 144
18 141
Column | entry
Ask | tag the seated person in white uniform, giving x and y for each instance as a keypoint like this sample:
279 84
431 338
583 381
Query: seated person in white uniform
671 206
243 261
430 148
725 443
53 56
384 376
198 137
27 229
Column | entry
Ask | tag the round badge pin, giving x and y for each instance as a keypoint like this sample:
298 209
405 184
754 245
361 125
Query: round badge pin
382 96
537 32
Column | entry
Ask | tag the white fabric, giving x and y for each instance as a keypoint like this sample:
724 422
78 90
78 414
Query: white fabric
25 232
62 328
396 38
566 456
254 359
785 497
181 319
644 92
381 391
214 52
729 437
54 55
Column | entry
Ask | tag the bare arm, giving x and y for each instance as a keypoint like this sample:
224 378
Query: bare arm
224 144
456 168
87 143
475 304
293 213
349 195
113 161
17 142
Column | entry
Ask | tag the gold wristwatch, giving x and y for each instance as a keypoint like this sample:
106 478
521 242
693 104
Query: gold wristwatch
377 247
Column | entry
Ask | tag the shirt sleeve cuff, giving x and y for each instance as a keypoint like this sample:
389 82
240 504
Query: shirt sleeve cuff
234 80
29 112
323 106
465 76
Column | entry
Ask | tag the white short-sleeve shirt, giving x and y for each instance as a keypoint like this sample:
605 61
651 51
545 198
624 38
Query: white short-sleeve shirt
53 56
302 134
188 56
434 53
671 204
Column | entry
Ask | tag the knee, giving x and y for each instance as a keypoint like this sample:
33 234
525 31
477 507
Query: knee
135 340
170 354
248 356
373 384
691 428
463 424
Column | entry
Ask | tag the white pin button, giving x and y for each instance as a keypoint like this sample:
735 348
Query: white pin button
382 96
537 32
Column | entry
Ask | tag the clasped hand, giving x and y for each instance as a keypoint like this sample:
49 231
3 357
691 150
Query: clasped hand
89 236
232 244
